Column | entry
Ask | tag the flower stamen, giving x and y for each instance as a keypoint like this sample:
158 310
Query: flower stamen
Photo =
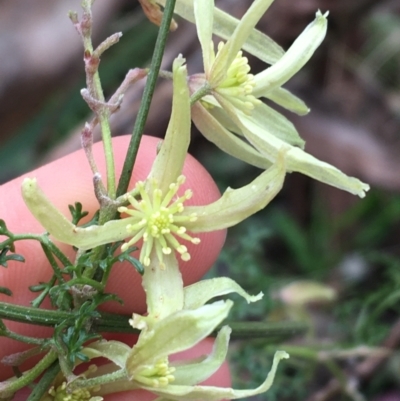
238 84
159 220
158 375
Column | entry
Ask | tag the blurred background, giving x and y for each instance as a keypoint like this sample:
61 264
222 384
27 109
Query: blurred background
321 256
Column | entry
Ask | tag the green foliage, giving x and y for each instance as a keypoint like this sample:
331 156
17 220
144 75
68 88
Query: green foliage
77 213
70 335
7 252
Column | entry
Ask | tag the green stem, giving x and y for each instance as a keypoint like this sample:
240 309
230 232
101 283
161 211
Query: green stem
201 92
39 300
114 323
45 382
107 139
8 388
26 314
146 100
100 380
24 339
96 91
53 263
44 240
87 281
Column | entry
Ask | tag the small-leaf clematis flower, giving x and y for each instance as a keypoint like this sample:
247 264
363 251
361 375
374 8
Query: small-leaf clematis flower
230 112
159 217
178 318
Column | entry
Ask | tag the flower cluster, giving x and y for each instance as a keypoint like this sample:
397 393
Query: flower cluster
227 109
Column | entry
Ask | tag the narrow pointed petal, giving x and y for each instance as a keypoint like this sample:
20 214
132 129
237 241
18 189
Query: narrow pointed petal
294 59
201 292
115 351
54 222
277 124
235 205
257 44
236 41
217 393
46 213
192 373
225 140
171 157
287 100
175 333
204 16
163 287
296 159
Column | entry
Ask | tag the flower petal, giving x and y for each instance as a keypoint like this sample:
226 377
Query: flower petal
296 159
264 116
242 31
169 162
199 293
204 16
257 44
163 287
115 351
287 100
62 229
196 372
216 133
236 205
294 59
217 393
175 333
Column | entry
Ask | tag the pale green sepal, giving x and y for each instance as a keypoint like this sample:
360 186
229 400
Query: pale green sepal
112 387
262 115
115 351
302 162
229 143
204 16
257 44
223 119
177 332
44 211
162 300
236 205
62 229
185 393
287 100
193 372
276 123
169 162
294 59
201 292
242 31
296 159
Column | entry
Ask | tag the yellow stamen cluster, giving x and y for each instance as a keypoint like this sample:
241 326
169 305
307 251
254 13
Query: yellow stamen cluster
158 375
159 220
239 84
60 393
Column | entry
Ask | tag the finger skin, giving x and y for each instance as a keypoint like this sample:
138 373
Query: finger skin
66 181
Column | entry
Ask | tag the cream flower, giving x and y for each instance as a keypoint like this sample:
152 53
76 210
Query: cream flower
160 217
178 318
230 112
